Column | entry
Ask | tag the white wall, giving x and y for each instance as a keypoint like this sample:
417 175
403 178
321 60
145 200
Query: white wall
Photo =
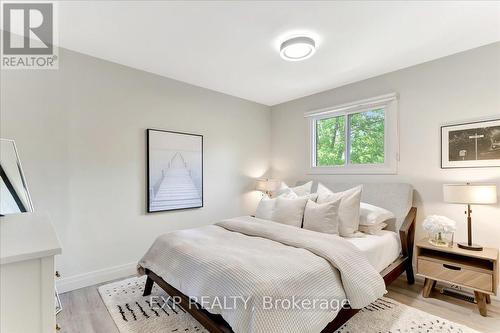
461 87
80 131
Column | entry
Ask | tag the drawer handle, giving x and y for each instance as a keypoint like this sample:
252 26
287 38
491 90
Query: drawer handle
455 268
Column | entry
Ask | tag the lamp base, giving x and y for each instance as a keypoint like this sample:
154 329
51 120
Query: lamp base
473 247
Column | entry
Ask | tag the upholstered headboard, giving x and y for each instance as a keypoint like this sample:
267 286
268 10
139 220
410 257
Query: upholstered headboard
395 197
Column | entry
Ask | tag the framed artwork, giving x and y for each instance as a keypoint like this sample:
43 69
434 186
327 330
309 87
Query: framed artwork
471 145
174 170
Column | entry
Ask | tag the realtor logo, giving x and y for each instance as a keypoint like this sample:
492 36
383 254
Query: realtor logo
28 36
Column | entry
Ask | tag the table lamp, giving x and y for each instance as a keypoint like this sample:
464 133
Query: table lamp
470 194
267 186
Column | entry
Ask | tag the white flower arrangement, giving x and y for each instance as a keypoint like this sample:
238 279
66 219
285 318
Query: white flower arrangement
437 223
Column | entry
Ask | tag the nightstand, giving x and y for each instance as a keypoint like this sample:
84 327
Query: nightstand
476 270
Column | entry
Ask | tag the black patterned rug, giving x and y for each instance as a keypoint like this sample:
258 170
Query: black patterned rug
133 313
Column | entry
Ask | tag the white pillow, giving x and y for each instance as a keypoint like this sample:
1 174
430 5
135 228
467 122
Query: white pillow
293 195
298 190
348 210
372 229
370 214
289 211
265 208
322 217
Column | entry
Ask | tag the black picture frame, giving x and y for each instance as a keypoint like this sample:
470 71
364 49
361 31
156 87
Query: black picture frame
444 137
148 170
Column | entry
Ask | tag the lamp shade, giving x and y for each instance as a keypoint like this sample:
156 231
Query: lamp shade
267 185
481 194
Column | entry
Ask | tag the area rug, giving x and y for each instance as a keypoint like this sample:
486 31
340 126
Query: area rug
133 313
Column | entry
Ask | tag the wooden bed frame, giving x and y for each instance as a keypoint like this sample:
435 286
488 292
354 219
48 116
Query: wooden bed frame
216 324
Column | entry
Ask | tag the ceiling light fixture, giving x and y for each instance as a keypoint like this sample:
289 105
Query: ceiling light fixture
297 48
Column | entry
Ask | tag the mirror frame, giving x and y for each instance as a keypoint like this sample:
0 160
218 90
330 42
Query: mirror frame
10 187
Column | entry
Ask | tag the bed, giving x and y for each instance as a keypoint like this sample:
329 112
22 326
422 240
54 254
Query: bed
249 256
381 249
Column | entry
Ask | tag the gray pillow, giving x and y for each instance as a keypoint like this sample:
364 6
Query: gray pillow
289 211
348 210
322 217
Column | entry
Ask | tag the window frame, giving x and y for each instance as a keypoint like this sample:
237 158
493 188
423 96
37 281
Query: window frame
389 103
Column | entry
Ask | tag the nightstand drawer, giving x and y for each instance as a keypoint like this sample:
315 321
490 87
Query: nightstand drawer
455 273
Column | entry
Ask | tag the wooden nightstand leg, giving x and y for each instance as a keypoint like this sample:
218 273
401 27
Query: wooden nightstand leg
428 285
481 303
488 299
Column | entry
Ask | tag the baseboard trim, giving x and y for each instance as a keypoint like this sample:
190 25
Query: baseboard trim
95 277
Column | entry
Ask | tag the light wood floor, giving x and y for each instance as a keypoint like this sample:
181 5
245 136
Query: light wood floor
84 311
447 307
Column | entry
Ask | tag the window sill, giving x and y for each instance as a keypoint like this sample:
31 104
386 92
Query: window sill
351 170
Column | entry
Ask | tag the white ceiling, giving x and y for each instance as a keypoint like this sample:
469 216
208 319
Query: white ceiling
231 46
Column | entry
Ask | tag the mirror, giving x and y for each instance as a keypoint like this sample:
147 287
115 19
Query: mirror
14 194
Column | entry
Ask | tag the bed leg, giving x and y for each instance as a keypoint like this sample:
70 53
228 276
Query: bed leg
410 277
148 287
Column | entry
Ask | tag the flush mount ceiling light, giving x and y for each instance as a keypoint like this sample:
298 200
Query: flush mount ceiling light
297 48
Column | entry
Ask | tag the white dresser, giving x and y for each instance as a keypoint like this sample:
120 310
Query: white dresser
28 245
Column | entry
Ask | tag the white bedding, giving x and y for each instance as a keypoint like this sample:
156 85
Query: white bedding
381 249
258 258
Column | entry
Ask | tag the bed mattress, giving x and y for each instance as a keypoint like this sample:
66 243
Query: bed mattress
381 249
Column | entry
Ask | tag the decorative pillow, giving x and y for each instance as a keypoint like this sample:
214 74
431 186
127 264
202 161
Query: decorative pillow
300 191
293 195
289 211
265 208
322 217
348 209
370 214
372 229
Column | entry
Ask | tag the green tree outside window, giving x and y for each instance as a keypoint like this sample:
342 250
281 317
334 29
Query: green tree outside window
366 139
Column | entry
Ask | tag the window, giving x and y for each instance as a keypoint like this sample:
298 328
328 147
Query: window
359 137
330 141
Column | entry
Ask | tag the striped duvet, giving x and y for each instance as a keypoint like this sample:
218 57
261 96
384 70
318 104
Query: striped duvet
263 276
